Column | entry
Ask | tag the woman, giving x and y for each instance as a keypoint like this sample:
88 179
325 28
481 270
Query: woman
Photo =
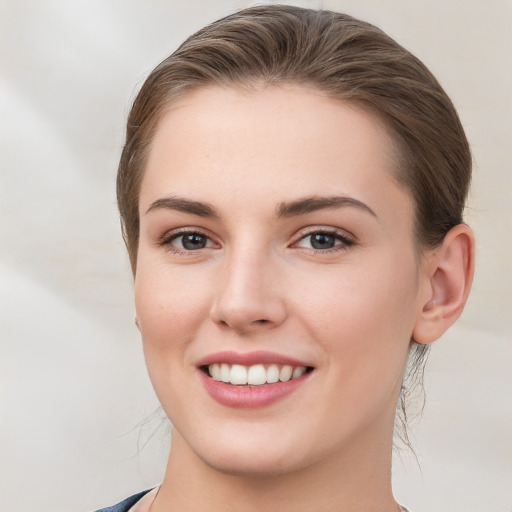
291 193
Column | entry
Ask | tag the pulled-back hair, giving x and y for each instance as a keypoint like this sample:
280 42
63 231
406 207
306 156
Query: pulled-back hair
345 58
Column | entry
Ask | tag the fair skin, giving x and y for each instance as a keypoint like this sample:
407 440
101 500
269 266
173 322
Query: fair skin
272 228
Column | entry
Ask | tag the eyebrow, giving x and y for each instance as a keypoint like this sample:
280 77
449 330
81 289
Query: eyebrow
184 205
285 209
314 203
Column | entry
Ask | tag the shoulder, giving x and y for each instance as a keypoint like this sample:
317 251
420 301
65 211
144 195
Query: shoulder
126 504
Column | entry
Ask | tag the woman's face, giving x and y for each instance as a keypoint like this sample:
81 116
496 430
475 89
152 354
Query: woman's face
275 240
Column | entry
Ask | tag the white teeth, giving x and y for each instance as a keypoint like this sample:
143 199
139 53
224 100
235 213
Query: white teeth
272 374
238 375
255 375
215 371
285 373
224 372
298 372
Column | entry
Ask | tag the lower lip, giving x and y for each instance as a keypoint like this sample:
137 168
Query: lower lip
250 396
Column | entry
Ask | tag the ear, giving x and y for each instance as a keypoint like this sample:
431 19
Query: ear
448 276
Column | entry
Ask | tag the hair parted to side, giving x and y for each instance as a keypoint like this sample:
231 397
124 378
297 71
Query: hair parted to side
344 58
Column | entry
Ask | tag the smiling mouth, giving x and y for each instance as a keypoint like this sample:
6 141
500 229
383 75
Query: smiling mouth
254 375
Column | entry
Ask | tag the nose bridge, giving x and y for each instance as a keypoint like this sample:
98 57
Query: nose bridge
248 295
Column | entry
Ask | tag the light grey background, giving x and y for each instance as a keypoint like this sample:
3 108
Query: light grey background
74 392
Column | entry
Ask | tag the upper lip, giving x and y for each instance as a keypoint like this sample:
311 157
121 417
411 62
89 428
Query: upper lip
250 358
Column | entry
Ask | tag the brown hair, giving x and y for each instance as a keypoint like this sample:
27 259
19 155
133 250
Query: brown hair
346 59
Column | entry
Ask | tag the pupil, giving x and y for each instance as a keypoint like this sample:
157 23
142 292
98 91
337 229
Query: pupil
193 241
322 241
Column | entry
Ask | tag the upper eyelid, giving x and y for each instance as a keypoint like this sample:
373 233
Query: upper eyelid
172 234
311 230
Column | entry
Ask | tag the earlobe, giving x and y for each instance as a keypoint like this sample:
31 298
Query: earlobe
449 275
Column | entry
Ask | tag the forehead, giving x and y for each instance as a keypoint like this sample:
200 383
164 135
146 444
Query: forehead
274 141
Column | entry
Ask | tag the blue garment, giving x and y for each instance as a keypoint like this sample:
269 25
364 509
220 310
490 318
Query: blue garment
126 504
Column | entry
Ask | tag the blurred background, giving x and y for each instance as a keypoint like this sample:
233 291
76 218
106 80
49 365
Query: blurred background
78 427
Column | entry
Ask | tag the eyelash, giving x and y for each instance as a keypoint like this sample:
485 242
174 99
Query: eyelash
345 241
168 238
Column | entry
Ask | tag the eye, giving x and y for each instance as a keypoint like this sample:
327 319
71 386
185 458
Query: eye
187 241
324 241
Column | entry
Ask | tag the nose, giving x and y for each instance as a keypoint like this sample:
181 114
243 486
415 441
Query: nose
249 297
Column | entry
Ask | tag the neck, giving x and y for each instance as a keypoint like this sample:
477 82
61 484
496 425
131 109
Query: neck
357 478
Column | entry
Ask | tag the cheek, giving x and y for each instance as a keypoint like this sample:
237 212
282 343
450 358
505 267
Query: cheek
166 299
363 317
170 308
373 295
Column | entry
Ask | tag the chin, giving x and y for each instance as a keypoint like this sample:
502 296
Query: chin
250 455
247 465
